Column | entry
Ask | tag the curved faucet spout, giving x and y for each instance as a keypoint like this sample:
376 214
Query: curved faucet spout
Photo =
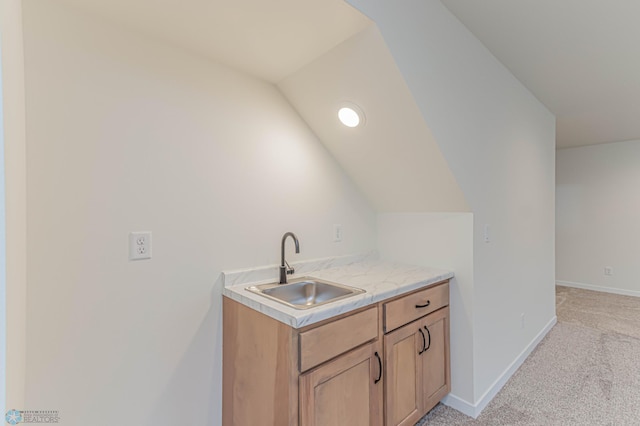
285 269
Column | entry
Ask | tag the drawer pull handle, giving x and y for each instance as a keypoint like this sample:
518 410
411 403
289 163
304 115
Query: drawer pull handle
379 365
429 344
425 305
424 343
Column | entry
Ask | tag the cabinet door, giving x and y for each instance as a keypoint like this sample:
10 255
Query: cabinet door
436 372
346 391
403 371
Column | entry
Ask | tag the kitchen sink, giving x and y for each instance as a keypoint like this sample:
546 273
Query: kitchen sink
305 293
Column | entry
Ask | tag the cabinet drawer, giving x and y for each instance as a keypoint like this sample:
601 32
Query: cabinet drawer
327 341
415 305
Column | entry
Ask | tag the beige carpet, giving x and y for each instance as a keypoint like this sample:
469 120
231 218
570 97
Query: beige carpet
602 311
586 371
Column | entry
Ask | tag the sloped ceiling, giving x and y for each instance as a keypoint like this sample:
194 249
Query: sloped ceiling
265 38
322 52
578 57
393 158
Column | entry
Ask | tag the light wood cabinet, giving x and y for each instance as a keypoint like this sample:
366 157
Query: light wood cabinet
402 376
417 369
369 367
322 343
342 392
436 371
324 374
404 309
260 374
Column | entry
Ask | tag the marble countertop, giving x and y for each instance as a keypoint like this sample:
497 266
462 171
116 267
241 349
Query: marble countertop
380 280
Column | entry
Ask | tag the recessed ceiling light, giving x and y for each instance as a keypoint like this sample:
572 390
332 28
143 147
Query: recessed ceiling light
351 115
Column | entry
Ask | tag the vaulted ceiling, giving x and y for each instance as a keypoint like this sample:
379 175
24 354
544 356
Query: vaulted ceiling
581 58
266 38
318 53
578 57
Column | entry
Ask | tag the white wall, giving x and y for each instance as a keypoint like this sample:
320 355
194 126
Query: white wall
499 142
443 240
393 157
598 217
126 134
13 111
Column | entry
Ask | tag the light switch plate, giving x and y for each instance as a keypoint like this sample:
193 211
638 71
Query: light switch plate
337 233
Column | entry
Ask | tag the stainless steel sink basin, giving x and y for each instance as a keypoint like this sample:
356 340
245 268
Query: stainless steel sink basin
305 293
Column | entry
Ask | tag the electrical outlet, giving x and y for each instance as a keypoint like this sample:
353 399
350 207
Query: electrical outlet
608 270
337 233
139 245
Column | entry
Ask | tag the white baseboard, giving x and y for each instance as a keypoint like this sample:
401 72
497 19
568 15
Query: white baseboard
474 410
460 404
600 288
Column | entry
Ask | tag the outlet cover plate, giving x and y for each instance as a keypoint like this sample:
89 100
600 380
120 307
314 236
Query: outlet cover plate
139 245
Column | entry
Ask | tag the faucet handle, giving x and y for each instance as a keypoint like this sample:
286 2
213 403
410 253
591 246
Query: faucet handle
290 270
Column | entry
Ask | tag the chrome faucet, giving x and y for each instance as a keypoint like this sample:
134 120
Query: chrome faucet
287 270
